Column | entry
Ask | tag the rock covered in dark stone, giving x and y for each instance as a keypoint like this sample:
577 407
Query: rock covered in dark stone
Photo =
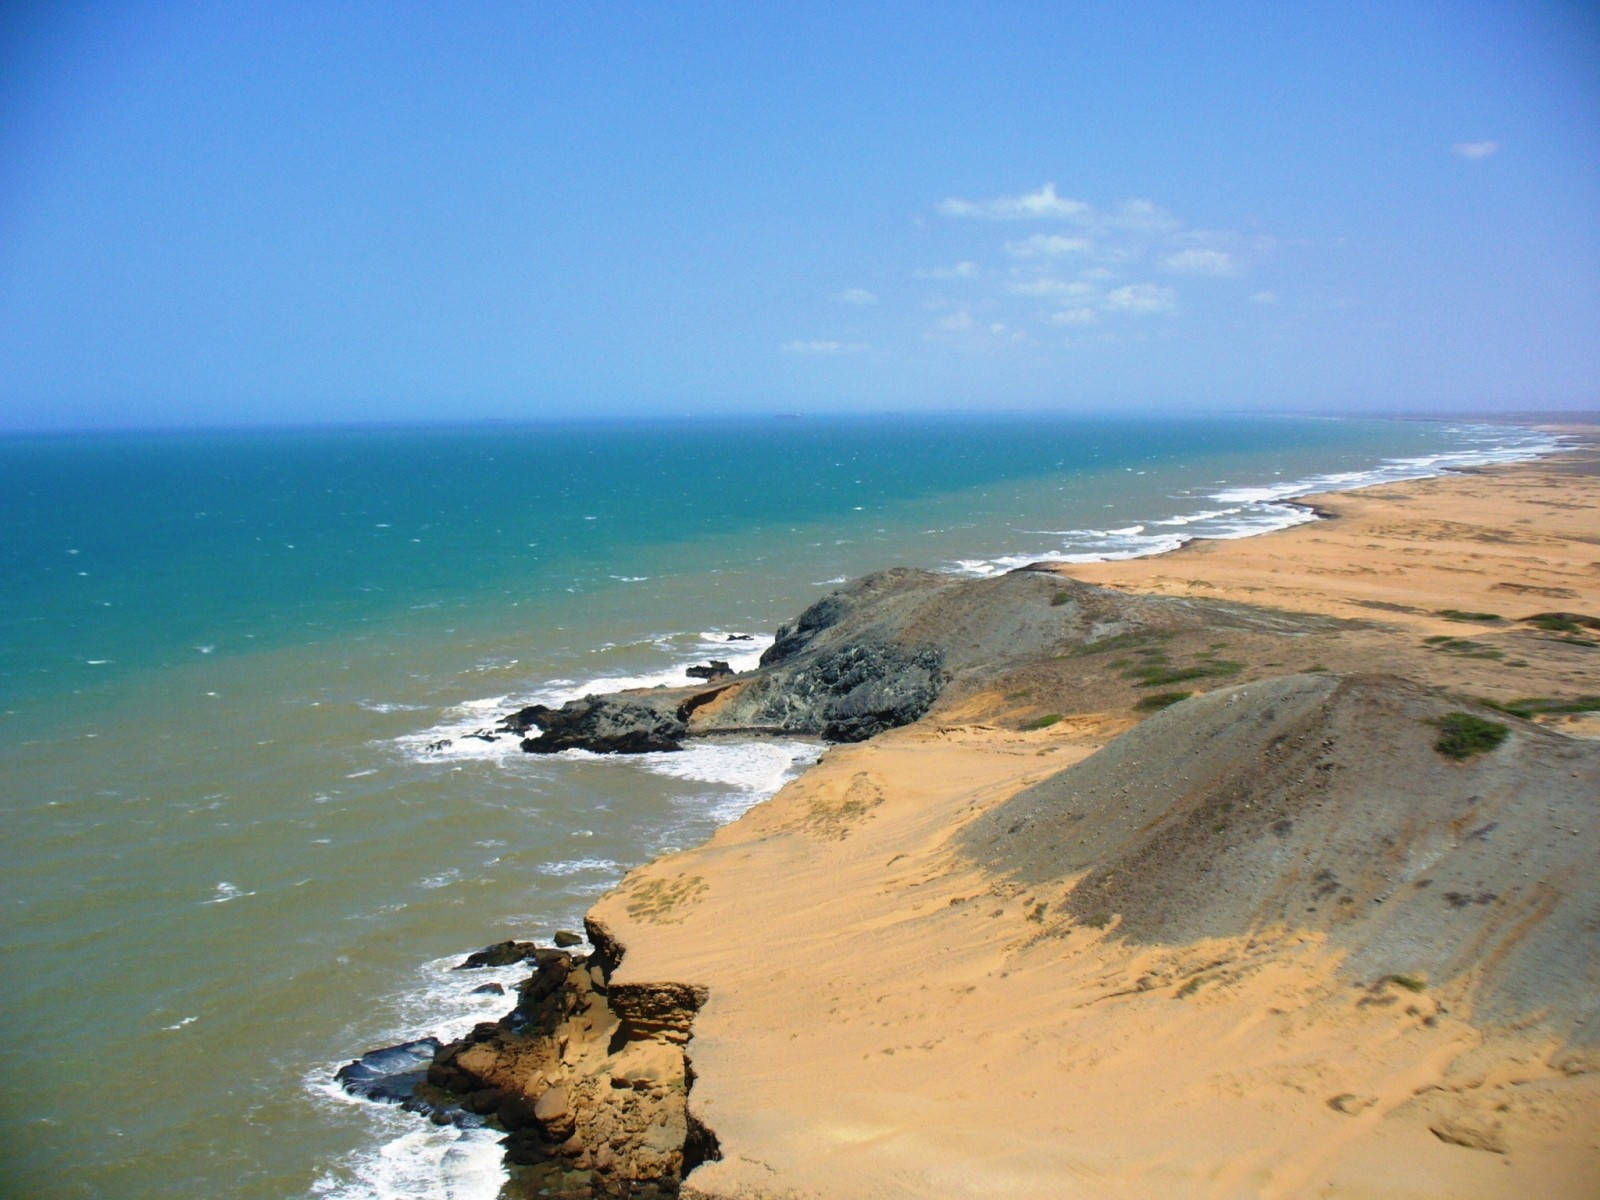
501 954
489 989
858 690
792 639
739 637
399 1075
715 669
606 725
565 938
522 720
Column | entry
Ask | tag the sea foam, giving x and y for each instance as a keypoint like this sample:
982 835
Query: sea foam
1254 508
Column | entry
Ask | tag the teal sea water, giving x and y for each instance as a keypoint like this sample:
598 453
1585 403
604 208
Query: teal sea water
236 853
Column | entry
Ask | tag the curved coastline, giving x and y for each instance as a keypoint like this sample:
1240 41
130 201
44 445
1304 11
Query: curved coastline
1299 500
891 840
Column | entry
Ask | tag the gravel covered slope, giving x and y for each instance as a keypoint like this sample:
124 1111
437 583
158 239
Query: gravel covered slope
1315 801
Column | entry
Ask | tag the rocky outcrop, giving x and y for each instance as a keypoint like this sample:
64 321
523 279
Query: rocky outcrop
501 954
880 653
588 1079
398 1075
605 725
850 693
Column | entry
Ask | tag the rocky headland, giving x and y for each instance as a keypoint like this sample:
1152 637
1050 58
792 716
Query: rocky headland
1264 868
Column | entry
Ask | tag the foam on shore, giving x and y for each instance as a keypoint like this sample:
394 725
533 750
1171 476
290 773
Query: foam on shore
1255 508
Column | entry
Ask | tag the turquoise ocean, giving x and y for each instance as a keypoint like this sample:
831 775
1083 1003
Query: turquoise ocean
236 855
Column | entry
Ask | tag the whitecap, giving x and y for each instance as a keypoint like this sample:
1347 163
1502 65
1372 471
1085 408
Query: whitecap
582 866
226 892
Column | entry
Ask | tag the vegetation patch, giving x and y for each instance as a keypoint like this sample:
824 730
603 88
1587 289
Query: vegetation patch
1043 722
1161 674
1462 735
1122 641
1462 646
1060 598
1160 700
1456 614
1410 982
1562 622
1531 706
1575 629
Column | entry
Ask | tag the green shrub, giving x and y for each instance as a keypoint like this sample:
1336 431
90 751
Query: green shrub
1461 735
1160 700
1043 722
1157 675
1456 614
1530 706
1562 622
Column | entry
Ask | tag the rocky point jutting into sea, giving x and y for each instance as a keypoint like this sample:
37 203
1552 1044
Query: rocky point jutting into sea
1273 877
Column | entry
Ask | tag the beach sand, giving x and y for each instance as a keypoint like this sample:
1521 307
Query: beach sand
889 1015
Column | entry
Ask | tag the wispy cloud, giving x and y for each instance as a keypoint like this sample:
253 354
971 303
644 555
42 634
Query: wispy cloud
1093 270
1264 297
820 346
1043 204
1075 316
1143 298
1141 216
1047 286
857 296
1201 262
1474 149
960 270
1048 245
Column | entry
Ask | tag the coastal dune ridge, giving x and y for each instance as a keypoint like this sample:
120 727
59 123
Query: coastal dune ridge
1264 867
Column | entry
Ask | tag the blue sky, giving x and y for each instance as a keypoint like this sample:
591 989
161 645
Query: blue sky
228 213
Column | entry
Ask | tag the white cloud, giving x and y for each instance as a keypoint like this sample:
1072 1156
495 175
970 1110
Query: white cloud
961 270
857 296
1267 297
957 322
1201 262
1474 149
1142 298
1142 216
1043 204
819 346
1048 245
1075 316
1046 286
1100 273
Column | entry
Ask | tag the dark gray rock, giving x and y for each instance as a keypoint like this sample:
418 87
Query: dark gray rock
792 639
401 1075
606 725
851 692
501 954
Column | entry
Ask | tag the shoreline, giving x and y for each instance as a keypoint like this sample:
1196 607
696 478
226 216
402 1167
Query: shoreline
1083 736
839 839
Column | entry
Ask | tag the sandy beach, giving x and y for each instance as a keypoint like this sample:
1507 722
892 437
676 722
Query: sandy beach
900 1001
